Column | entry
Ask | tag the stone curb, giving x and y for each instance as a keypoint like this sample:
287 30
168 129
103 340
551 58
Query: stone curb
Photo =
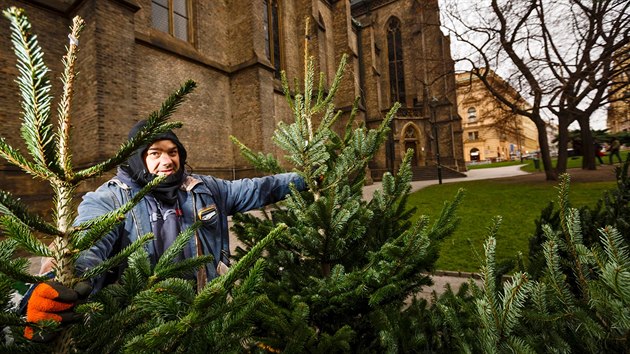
455 274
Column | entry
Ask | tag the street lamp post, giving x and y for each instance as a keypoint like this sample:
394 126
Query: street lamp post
433 104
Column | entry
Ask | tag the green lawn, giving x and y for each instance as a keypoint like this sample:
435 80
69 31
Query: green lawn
495 164
572 162
518 204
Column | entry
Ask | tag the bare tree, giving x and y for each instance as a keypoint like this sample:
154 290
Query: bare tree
562 54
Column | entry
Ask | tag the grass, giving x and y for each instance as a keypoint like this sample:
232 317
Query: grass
518 204
495 164
572 162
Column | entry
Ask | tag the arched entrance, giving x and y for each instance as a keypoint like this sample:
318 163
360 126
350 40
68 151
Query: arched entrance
411 139
474 154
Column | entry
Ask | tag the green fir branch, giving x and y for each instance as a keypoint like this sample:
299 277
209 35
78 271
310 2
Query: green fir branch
20 232
266 163
515 294
572 229
175 249
555 277
13 207
334 87
37 130
14 157
65 104
308 111
167 265
156 124
128 252
228 280
99 226
321 87
616 272
615 246
286 90
181 268
15 268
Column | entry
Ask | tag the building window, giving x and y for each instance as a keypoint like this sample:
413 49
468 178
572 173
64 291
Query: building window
473 135
395 56
271 23
172 17
472 114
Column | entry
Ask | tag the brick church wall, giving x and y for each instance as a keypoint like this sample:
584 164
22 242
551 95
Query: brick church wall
127 69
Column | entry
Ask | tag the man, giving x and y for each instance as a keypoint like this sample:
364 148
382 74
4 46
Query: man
598 151
171 207
614 151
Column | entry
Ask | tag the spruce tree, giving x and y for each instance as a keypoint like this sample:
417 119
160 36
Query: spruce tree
151 308
340 280
579 302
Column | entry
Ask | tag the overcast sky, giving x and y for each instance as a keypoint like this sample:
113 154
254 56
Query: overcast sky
458 50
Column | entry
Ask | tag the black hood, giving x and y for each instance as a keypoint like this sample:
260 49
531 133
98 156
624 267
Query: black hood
136 169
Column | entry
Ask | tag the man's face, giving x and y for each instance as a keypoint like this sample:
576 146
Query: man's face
162 158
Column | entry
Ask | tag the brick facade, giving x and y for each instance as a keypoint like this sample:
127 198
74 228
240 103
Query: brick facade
127 68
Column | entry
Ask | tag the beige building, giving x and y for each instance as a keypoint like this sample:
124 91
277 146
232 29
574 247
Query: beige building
491 133
618 119
134 53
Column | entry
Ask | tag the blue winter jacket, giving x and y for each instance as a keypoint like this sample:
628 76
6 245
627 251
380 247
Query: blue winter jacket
204 198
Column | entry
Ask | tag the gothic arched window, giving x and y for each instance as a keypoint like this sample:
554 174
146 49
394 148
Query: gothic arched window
395 58
271 21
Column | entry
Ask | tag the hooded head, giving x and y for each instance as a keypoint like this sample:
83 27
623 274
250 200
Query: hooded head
136 167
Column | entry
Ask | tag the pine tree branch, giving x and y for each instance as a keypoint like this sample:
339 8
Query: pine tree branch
180 269
334 87
266 163
117 259
65 104
19 232
13 207
227 281
15 268
14 157
99 226
156 125
286 90
572 230
35 91
172 252
515 294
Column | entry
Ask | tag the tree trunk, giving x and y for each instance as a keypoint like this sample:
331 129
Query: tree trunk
563 143
588 149
550 174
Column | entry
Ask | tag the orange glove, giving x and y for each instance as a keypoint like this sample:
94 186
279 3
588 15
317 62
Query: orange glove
53 301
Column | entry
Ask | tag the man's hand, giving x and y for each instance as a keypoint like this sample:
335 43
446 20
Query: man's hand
53 301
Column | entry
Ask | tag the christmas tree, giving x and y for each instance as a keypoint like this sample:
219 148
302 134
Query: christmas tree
578 302
151 308
342 278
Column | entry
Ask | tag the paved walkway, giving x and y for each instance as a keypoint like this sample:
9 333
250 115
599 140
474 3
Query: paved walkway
482 173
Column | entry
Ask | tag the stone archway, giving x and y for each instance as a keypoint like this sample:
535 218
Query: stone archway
475 154
411 138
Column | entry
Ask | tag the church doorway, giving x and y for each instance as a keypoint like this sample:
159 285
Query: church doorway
411 139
